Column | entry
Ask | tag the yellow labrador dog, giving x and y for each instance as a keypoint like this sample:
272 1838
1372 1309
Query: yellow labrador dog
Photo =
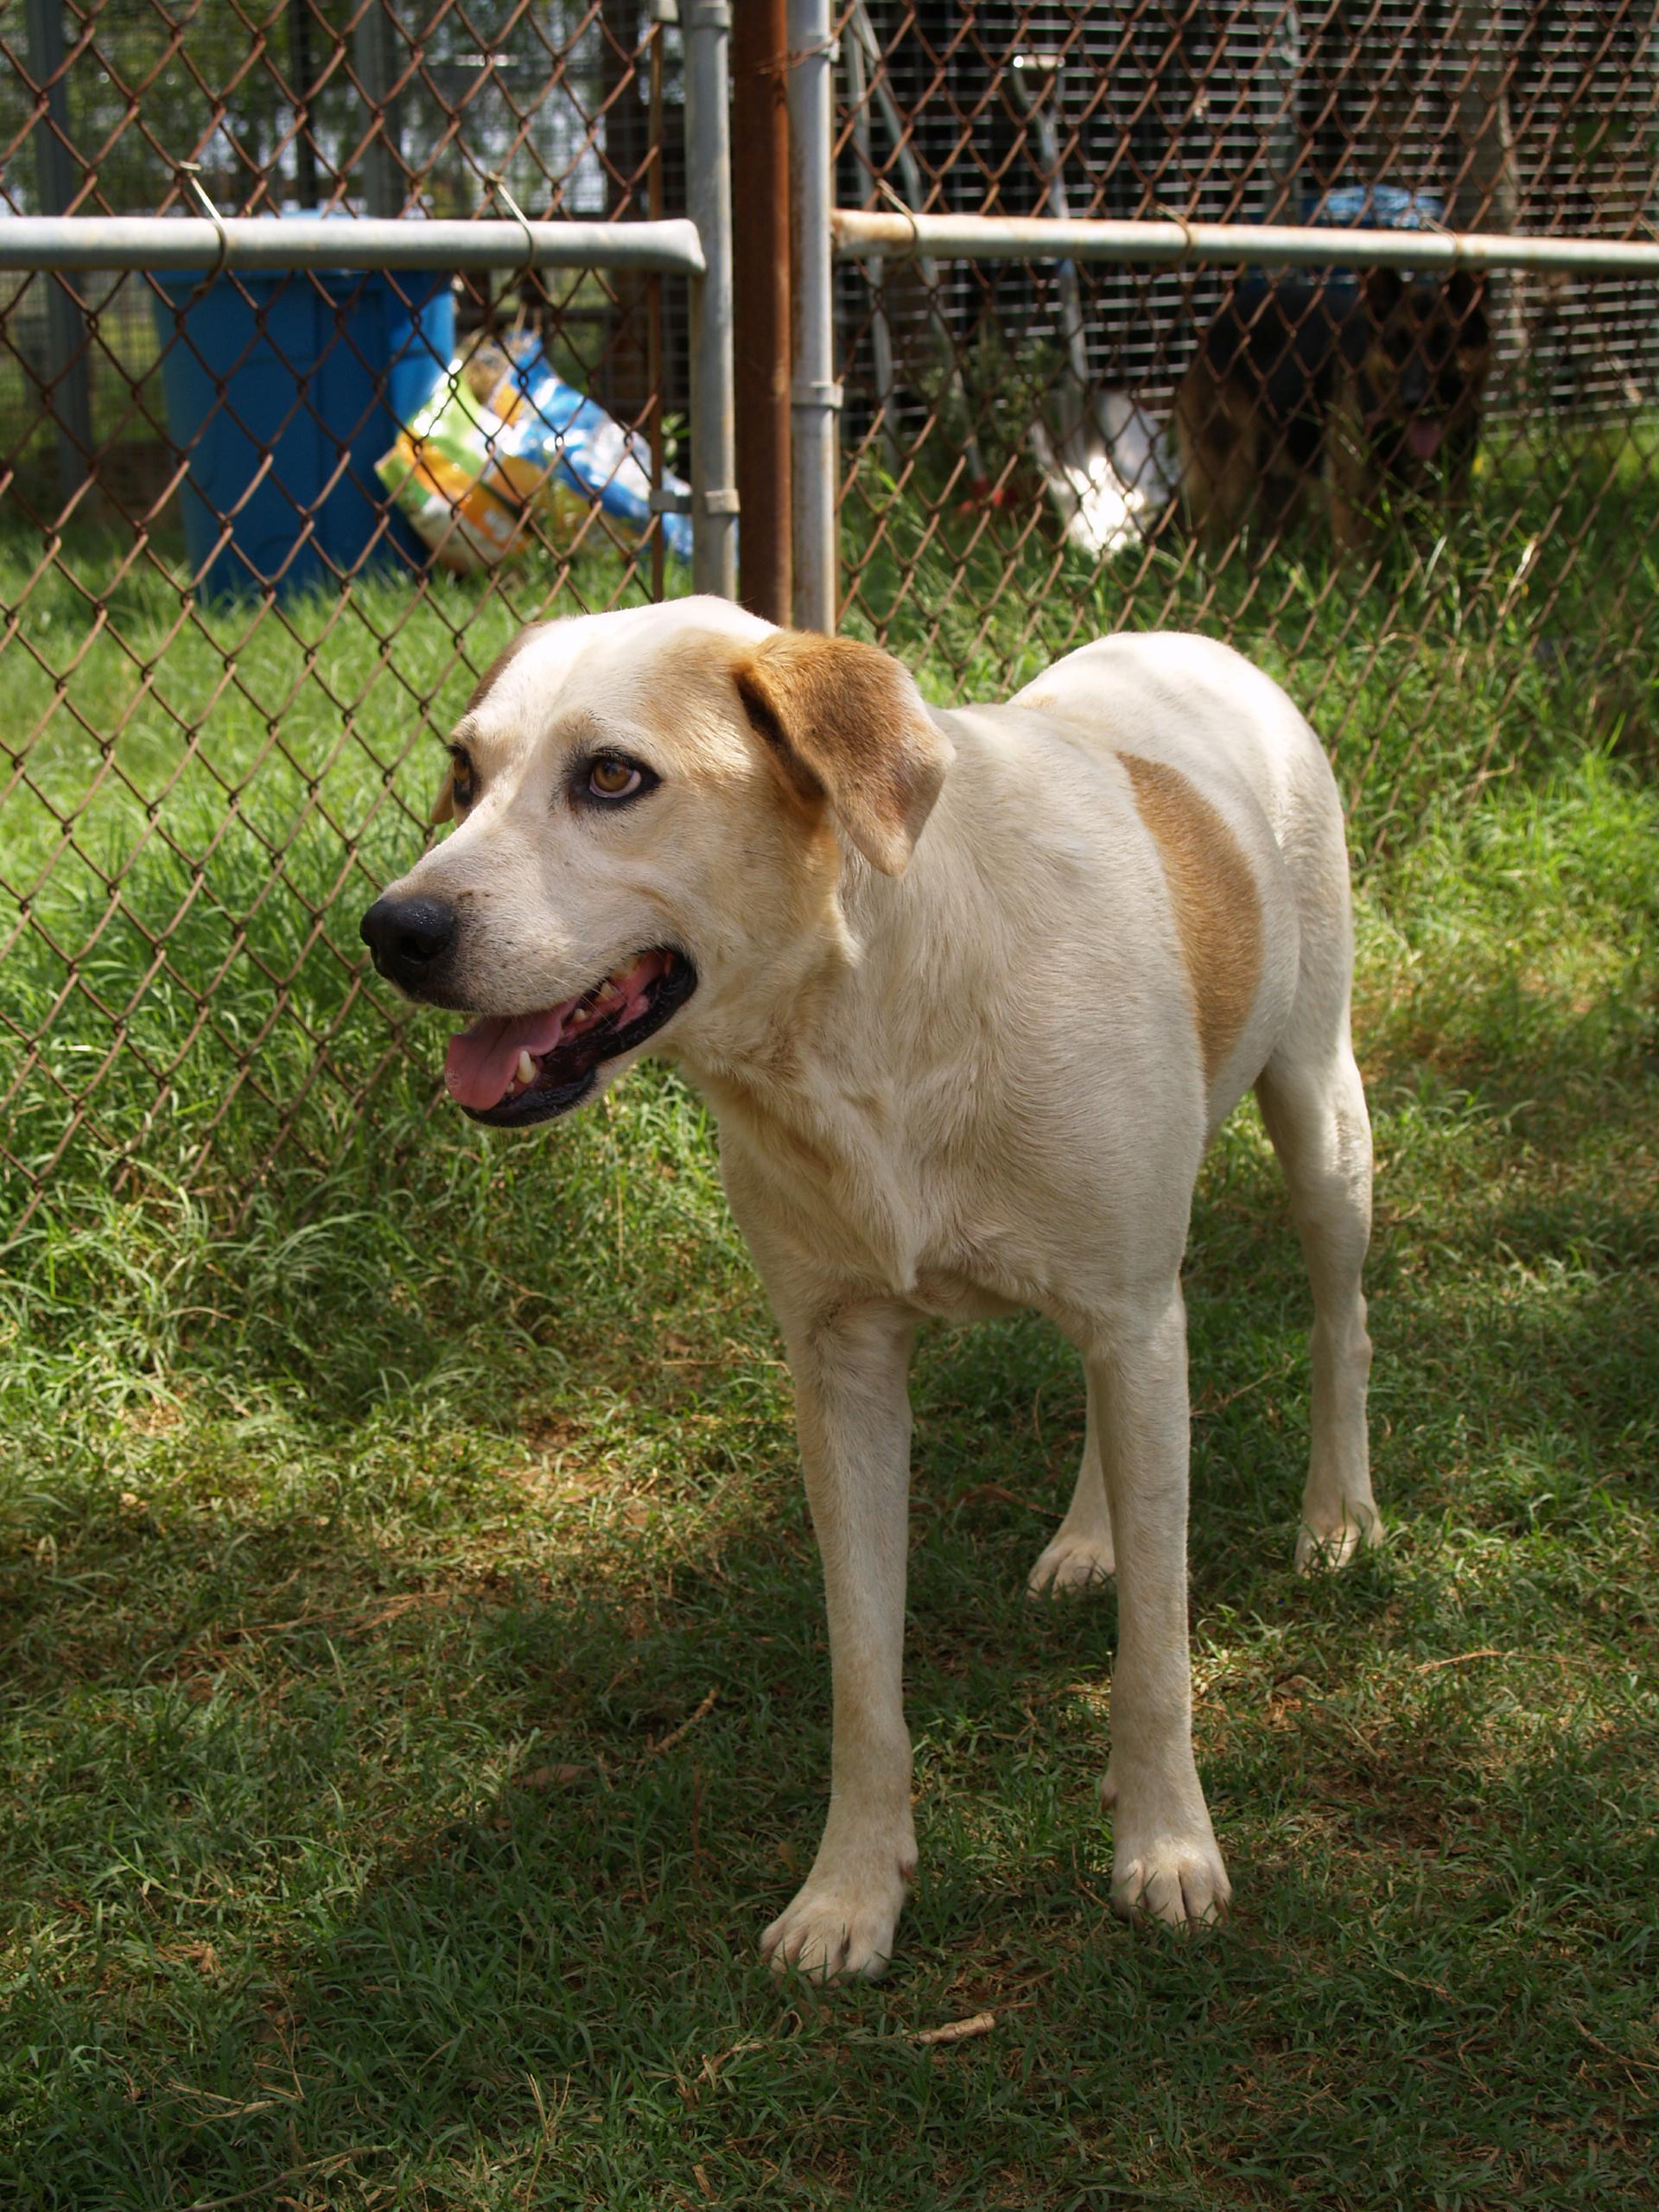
968 993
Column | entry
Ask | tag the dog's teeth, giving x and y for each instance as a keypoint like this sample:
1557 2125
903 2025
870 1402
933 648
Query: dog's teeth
527 1070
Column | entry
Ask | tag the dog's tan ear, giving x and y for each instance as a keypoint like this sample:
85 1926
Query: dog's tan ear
847 724
444 806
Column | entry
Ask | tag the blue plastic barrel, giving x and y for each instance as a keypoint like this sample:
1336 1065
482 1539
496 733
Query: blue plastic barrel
315 370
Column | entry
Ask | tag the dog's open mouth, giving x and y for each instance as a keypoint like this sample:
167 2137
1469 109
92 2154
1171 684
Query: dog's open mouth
512 1070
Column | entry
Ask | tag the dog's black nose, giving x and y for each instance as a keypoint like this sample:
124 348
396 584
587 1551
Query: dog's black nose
408 936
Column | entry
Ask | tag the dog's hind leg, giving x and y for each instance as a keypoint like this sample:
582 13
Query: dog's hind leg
1081 1556
1165 1862
1313 1105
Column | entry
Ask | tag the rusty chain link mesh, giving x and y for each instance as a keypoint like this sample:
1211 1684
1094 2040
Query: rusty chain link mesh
199 793
200 789
1523 593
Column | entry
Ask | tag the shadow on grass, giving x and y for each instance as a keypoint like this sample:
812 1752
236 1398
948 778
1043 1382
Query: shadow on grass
507 1941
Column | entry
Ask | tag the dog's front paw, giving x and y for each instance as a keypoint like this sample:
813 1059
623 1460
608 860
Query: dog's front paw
1178 1880
838 1926
1334 1541
1074 1562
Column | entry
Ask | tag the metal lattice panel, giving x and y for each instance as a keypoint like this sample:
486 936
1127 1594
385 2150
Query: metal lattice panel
966 381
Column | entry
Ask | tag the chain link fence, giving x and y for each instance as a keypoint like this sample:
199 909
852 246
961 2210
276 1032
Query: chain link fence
1032 453
202 787
227 649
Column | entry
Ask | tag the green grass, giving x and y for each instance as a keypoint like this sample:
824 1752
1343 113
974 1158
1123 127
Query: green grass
368 1549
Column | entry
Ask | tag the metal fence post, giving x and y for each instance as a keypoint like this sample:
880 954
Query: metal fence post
376 71
69 379
301 71
760 254
815 396
708 195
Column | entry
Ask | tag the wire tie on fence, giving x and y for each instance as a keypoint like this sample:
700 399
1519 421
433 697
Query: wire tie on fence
797 54
1437 227
904 209
191 172
1189 244
498 184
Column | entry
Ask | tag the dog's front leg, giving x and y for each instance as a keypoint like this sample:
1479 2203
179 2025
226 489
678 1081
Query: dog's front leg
853 1406
1350 480
1165 1861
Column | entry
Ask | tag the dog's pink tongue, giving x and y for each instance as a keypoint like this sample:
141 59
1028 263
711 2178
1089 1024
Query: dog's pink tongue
1423 434
480 1060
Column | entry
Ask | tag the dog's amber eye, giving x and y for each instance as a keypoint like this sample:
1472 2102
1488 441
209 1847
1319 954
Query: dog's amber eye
611 777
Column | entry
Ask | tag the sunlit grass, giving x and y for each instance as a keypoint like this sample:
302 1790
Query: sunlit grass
365 1545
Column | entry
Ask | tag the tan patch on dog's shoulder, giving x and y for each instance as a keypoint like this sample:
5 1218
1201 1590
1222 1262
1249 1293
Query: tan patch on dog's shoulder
1217 910
498 667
